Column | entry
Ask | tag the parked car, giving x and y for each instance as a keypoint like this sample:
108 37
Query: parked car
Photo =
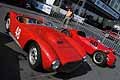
101 55
47 48
112 35
116 27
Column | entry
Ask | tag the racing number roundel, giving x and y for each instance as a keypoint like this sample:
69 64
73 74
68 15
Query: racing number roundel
17 32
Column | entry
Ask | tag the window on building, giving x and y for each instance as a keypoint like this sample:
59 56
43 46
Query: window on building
119 9
106 1
116 6
78 2
100 19
43 1
112 3
56 3
118 1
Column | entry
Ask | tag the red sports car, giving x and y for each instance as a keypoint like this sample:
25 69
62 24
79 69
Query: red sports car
101 54
47 48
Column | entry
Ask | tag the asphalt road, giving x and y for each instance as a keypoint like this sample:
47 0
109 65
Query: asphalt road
14 66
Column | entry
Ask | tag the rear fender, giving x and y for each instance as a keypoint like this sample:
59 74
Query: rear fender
48 54
78 48
86 45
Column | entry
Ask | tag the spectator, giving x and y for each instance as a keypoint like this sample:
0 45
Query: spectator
68 17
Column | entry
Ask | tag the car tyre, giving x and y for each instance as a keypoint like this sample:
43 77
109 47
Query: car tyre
7 24
99 58
34 57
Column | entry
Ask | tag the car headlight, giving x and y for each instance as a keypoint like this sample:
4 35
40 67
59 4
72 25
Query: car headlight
55 64
84 58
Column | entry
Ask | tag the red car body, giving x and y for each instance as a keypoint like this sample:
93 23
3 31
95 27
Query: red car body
91 45
53 44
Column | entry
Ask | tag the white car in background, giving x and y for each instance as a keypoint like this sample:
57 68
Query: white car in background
117 27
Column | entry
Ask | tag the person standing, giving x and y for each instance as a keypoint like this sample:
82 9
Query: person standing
68 17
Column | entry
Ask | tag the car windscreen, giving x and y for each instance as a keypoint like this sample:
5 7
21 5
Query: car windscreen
27 20
46 22
51 23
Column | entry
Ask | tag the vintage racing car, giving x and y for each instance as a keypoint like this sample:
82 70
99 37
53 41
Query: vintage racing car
47 48
101 55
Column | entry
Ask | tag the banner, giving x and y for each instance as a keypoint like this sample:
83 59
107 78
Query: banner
106 8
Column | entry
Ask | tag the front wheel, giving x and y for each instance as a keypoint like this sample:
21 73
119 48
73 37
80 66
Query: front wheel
34 57
99 58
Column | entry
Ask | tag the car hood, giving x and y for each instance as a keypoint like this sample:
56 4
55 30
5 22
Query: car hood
66 48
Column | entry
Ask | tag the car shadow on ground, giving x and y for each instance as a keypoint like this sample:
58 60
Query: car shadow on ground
84 68
9 60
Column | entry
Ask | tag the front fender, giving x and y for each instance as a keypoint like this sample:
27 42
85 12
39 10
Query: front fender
111 59
47 52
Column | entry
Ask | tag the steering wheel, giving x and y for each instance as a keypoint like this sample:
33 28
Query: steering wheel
66 32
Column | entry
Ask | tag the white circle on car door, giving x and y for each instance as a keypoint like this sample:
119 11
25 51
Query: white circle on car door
17 32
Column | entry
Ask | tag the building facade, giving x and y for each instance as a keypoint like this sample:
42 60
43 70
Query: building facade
98 13
115 4
105 11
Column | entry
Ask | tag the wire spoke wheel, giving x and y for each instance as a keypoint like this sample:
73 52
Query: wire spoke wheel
99 58
34 57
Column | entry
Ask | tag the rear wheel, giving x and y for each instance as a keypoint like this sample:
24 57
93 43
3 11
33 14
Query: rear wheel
34 57
99 58
7 24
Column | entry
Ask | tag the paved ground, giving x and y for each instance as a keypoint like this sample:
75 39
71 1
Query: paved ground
14 65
